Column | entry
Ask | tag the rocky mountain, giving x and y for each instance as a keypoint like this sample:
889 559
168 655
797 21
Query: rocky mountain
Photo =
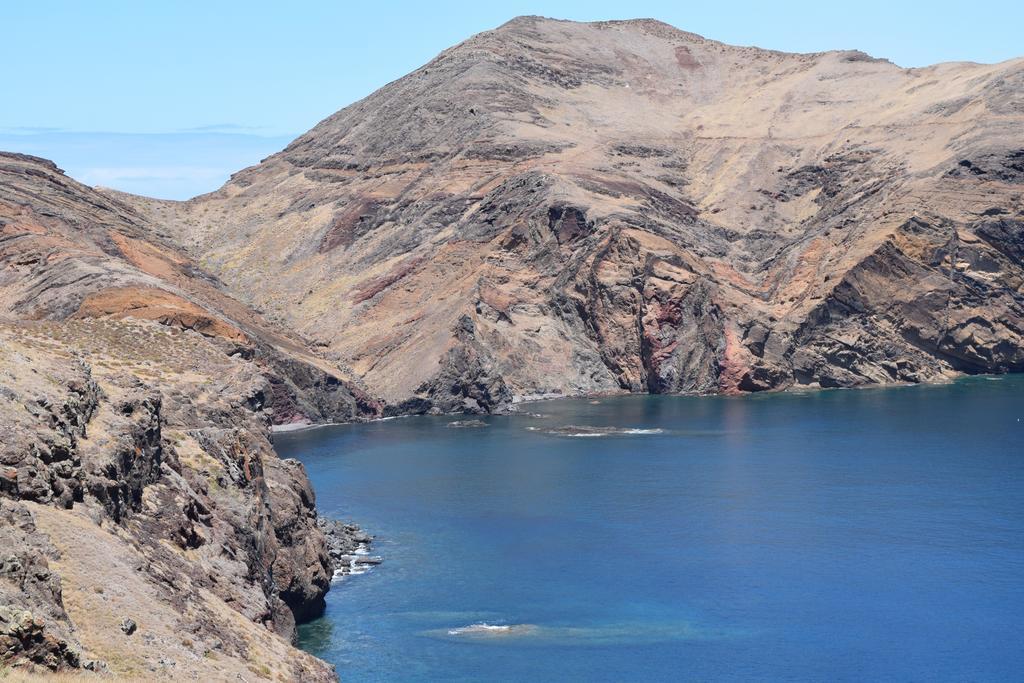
549 208
146 525
559 208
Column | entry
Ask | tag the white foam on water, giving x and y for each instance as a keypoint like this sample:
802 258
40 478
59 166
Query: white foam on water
354 568
482 627
588 432
582 635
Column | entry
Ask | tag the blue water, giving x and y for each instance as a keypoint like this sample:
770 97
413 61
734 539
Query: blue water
837 535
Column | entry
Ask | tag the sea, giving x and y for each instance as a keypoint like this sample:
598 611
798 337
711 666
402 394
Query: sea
839 535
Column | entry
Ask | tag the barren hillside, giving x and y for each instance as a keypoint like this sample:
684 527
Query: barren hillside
560 208
148 529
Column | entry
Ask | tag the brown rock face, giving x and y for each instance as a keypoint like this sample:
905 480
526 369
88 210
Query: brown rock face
43 636
549 208
68 252
623 206
138 484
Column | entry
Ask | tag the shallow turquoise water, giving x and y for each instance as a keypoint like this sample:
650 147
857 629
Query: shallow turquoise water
837 535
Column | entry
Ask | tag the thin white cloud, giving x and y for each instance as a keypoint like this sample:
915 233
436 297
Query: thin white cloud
165 165
29 130
224 128
112 176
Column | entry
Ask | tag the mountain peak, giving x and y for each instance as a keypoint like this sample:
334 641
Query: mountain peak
566 207
566 29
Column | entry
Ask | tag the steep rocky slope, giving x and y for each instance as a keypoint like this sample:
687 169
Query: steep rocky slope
560 208
69 252
548 208
146 525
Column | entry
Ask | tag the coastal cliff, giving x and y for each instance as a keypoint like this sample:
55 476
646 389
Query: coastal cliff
547 209
561 208
147 525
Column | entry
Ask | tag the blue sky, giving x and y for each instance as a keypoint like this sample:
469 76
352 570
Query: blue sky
169 98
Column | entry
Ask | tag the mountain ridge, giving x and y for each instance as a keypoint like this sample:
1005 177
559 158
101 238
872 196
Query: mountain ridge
138 483
725 162
551 208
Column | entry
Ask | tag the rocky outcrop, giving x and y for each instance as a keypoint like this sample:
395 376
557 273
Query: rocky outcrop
34 628
302 568
557 208
302 391
348 547
467 381
135 399
550 208
69 252
38 456
179 469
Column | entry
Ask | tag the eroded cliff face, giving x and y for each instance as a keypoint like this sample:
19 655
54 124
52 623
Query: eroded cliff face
149 442
561 208
71 253
549 208
146 525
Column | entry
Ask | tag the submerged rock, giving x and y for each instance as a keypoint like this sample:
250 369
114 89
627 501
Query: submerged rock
487 631
462 424
588 431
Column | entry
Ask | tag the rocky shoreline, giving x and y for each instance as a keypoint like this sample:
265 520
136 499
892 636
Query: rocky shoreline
880 243
147 527
149 349
348 546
